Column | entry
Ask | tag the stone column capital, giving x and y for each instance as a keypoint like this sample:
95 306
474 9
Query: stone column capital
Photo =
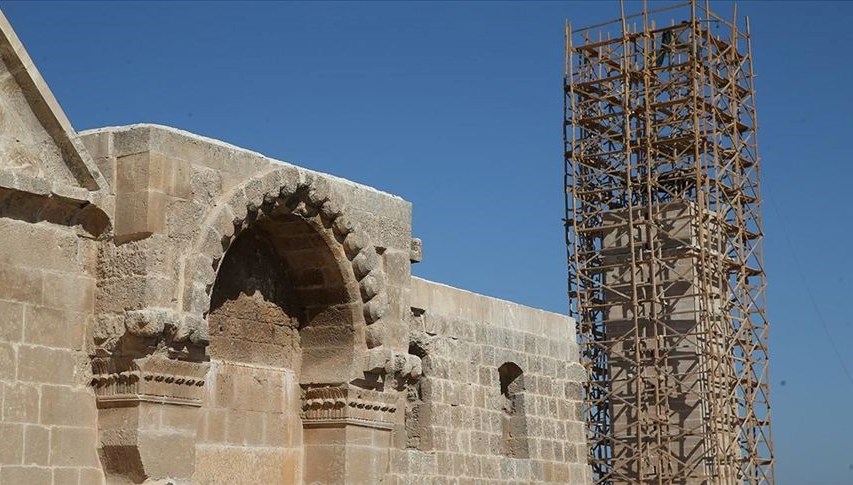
154 378
345 404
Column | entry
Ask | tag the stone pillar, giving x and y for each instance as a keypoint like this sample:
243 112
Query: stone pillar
147 417
347 434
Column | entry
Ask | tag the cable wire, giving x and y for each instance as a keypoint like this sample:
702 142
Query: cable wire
810 294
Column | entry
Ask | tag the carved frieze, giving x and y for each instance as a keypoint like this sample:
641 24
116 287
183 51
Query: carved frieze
345 404
154 378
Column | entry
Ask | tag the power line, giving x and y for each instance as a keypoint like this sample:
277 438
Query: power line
821 320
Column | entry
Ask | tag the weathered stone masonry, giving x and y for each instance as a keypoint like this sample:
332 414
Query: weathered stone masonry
176 308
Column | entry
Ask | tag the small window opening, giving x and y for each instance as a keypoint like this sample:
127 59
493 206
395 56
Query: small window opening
514 422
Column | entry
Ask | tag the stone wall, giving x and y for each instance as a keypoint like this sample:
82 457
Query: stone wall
50 227
255 328
469 420
257 271
47 286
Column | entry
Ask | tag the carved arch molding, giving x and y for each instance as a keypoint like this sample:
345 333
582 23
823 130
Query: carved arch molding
308 197
151 380
302 194
305 196
311 198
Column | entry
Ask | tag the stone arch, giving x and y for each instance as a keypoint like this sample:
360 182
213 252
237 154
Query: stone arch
306 199
282 298
282 240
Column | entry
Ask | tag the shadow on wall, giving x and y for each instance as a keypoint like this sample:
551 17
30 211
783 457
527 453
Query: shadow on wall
280 300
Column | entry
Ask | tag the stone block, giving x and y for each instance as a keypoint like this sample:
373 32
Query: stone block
133 173
159 173
116 295
254 430
26 475
46 365
182 216
154 171
217 425
73 446
20 284
139 214
36 445
276 430
11 319
205 184
325 464
67 476
67 406
91 476
181 419
579 473
71 292
229 465
180 183
98 144
54 328
365 464
386 219
37 246
236 428
11 444
291 469
8 362
20 403
167 455
130 141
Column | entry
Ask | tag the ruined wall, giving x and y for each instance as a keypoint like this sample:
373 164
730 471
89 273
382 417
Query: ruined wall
244 320
174 308
499 400
248 321
278 283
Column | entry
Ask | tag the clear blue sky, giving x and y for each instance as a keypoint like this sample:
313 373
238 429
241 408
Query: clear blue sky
457 107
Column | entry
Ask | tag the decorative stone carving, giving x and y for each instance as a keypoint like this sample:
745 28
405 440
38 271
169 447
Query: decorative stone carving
147 412
285 191
398 365
416 253
136 333
349 427
344 404
154 378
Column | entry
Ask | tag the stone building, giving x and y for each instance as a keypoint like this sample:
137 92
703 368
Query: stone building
174 309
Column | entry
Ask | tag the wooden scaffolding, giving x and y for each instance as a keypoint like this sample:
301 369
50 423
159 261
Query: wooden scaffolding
664 237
